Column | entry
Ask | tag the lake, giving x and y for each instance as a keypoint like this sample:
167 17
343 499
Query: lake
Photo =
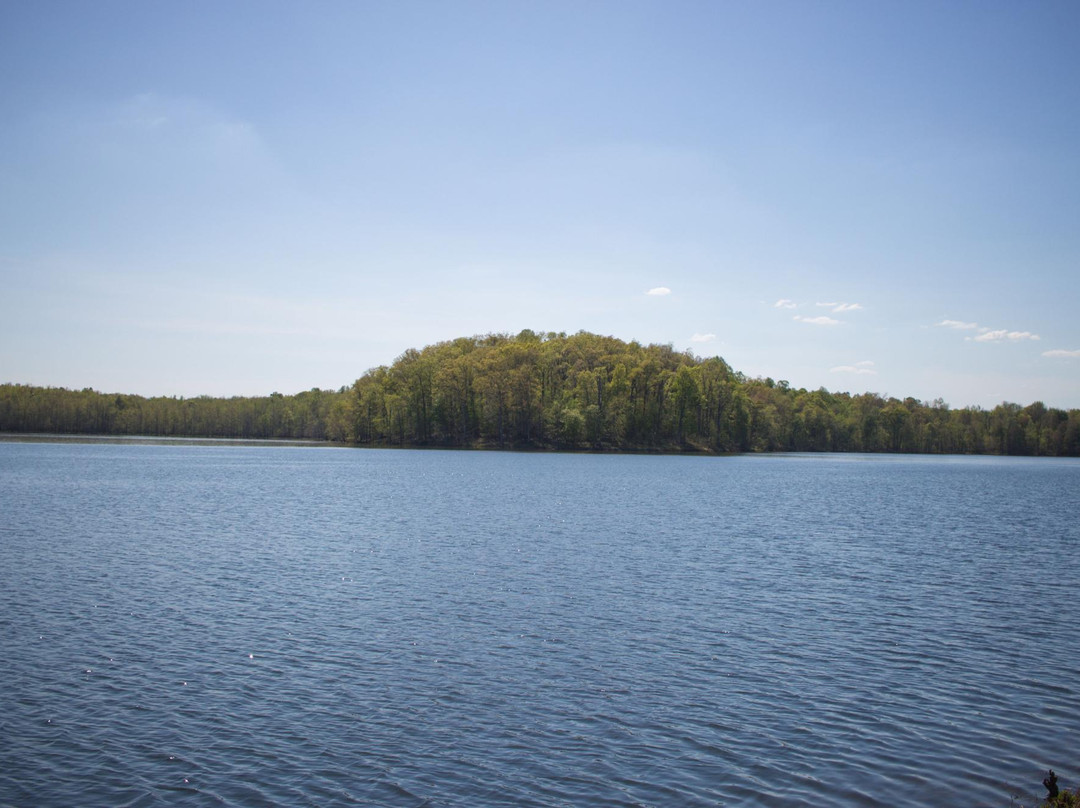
239 625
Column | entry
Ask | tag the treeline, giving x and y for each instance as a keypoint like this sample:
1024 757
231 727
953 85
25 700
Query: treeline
592 392
553 391
304 416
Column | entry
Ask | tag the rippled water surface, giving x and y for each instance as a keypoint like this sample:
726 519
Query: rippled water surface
205 625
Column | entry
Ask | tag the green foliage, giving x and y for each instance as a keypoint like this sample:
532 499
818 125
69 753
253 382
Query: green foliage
1066 799
312 415
550 390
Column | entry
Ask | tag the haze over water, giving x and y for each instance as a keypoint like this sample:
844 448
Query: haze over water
232 625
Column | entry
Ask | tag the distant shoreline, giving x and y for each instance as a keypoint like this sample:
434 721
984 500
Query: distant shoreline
182 440
554 392
164 440
160 440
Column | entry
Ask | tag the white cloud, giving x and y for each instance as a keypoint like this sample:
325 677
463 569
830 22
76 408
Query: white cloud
958 325
988 334
183 124
1004 334
1058 353
703 337
659 291
865 368
840 308
784 303
823 320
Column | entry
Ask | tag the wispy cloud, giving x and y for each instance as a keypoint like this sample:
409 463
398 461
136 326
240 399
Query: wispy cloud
822 320
1004 334
784 303
840 308
222 313
1058 353
959 325
865 368
184 122
703 337
221 328
988 334
659 291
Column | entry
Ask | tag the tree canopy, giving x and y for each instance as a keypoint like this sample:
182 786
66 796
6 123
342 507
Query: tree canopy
557 391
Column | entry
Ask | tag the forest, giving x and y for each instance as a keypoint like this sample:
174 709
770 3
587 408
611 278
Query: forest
582 392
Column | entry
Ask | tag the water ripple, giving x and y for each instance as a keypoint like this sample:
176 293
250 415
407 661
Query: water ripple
239 626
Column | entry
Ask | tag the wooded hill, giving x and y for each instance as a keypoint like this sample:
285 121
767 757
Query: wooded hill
553 391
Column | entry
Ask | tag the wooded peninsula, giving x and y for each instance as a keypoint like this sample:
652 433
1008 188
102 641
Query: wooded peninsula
582 392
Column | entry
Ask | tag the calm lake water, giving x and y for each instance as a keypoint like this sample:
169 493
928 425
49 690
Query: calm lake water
208 625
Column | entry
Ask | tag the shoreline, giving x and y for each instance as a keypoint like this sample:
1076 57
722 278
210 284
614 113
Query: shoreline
159 440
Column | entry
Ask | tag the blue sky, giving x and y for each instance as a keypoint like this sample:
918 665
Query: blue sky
238 198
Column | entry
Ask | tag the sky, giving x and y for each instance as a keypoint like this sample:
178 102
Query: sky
239 198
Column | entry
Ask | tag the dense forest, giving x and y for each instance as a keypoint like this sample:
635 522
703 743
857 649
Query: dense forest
553 391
